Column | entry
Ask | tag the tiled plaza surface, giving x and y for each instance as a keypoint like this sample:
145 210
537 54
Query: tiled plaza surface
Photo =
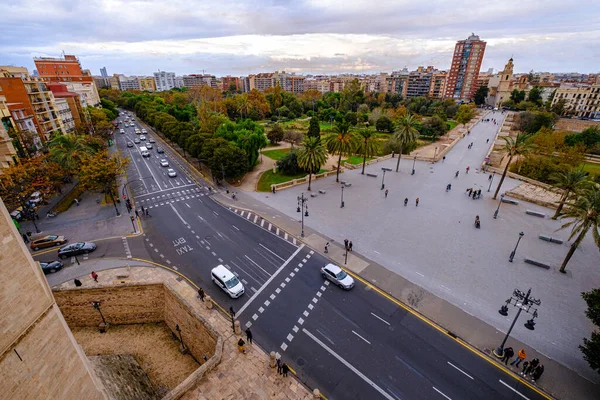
436 245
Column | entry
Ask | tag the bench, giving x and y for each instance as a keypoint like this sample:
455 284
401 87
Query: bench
313 195
347 184
322 191
536 213
536 263
372 175
510 201
551 239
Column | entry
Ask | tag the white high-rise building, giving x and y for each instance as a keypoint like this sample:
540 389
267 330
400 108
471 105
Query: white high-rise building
164 80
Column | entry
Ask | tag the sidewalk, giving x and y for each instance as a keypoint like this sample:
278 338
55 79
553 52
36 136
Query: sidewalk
238 375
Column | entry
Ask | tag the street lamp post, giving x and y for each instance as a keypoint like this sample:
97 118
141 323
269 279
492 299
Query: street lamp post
183 349
524 303
434 155
342 201
302 205
498 209
383 177
102 327
414 161
133 223
491 181
512 255
346 256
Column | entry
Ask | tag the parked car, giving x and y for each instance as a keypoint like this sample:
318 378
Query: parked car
47 241
129 144
171 172
75 249
35 198
159 150
164 163
227 281
17 214
51 267
338 276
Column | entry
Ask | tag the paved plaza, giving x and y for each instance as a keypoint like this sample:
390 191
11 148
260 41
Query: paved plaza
436 245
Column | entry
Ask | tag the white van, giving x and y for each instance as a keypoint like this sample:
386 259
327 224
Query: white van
227 281
144 151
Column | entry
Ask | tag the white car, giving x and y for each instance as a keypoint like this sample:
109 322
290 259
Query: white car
142 137
151 140
144 130
338 276
122 131
171 172
35 198
164 163
227 281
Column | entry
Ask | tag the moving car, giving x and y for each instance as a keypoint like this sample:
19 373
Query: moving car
137 131
164 163
144 151
136 141
50 267
144 130
171 172
129 144
338 276
47 241
151 140
142 137
159 150
226 280
149 146
75 249
122 131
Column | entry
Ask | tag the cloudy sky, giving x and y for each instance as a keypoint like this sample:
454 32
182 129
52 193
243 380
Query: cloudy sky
238 37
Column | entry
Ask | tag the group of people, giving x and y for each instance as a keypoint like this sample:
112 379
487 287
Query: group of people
406 202
531 368
347 244
490 120
475 194
282 368
145 211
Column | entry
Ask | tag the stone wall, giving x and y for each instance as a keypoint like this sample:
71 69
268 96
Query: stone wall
575 125
129 304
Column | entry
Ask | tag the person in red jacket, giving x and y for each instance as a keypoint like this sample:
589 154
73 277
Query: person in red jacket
94 276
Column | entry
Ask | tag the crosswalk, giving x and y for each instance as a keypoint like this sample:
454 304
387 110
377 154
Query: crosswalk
264 224
162 199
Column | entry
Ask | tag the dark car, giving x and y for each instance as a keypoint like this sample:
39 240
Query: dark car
159 150
47 241
75 249
50 267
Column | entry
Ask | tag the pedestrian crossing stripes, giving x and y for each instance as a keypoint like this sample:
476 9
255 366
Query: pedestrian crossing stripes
162 199
260 221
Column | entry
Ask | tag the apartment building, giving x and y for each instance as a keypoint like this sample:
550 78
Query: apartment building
231 82
147 83
260 82
582 101
437 86
68 70
8 154
179 82
288 81
103 72
320 83
164 80
197 80
61 94
466 62
102 82
419 83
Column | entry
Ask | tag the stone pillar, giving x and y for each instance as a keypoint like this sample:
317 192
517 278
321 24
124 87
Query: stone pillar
208 302
272 362
236 327
316 394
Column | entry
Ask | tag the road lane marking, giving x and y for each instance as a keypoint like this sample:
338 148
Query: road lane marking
295 329
187 205
460 370
276 255
270 225
290 337
441 393
348 365
248 216
252 261
236 227
180 217
361 337
310 306
305 313
300 321
513 389
421 274
381 319
239 313
284 346
266 303
262 223
255 218
216 213
254 290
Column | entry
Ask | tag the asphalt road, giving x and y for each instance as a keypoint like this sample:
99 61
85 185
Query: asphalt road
353 344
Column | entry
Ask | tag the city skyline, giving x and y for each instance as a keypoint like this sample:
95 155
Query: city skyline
326 37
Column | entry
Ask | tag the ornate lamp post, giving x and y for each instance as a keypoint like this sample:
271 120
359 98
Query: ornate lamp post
512 255
103 325
302 205
498 209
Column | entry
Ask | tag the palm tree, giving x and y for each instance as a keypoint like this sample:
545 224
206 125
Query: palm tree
69 150
406 132
369 145
514 146
585 215
341 142
311 156
571 182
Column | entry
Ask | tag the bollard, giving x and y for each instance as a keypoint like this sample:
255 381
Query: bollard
208 302
316 394
272 362
236 327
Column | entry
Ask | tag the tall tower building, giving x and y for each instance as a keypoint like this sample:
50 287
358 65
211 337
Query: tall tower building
103 72
464 70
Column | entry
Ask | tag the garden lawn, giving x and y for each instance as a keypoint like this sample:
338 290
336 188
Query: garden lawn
276 154
593 169
268 178
451 124
355 160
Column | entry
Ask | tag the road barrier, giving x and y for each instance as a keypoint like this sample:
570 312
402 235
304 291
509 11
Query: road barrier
551 239
535 213
536 263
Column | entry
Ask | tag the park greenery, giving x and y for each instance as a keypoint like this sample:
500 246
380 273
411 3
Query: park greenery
591 347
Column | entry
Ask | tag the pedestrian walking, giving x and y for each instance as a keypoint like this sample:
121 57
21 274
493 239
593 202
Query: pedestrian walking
77 282
474 194
386 193
456 174
137 214
508 353
468 132
273 189
467 169
242 346
249 335
520 357
478 193
285 369
327 247
532 364
201 293
537 373
143 210
449 186
488 140
346 244
147 212
405 201
525 365
25 238
94 276
279 365
469 191
417 202
490 177
76 202
443 158
350 246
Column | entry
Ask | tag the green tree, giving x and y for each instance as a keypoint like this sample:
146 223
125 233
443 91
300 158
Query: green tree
351 117
341 142
514 146
591 347
369 145
288 164
352 96
314 129
465 114
311 156
571 182
559 107
481 95
406 132
229 160
517 96
535 95
434 127
275 135
384 124
589 137
292 137
68 151
101 172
